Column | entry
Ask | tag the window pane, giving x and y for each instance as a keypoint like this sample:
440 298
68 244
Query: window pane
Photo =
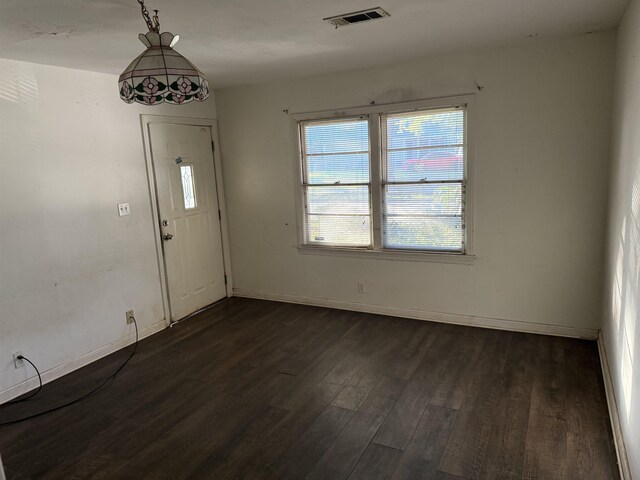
347 230
338 200
343 168
425 146
424 199
432 164
188 190
336 153
428 128
336 137
424 233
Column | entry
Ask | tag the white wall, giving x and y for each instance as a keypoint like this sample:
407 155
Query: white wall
70 150
542 148
621 329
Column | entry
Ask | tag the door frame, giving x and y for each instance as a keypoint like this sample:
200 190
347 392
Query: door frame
145 122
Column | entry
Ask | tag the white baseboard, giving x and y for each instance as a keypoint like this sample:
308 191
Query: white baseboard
484 322
60 370
621 451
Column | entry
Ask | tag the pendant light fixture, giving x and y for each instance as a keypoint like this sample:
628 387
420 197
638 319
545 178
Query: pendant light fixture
160 74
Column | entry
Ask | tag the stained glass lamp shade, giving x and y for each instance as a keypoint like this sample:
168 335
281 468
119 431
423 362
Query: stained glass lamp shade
160 74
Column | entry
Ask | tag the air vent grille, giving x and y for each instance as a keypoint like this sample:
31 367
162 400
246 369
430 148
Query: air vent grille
357 17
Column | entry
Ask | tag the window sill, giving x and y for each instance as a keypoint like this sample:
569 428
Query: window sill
398 255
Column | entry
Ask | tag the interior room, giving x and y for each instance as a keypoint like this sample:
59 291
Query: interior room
320 240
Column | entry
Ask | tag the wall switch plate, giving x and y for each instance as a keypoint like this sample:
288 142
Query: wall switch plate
123 209
18 362
361 287
129 316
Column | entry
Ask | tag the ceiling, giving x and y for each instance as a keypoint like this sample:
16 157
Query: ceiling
248 41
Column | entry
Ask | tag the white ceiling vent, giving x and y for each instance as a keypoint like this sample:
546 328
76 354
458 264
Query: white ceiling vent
357 17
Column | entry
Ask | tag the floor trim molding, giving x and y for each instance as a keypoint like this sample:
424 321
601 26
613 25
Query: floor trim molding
484 322
621 451
61 370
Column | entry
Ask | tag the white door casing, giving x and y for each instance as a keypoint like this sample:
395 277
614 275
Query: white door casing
189 232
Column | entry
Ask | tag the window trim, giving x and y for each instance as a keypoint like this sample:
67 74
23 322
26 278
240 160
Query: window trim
373 113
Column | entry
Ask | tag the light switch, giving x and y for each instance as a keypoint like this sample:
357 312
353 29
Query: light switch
123 209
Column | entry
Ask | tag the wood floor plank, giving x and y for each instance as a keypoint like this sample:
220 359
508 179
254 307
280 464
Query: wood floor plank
260 390
447 476
313 374
467 445
403 419
352 396
506 448
313 444
587 458
343 455
412 349
286 445
239 455
546 441
355 359
335 327
394 356
589 438
193 440
377 463
422 457
455 379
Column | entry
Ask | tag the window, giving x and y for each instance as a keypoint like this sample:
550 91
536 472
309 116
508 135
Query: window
423 159
392 178
188 190
336 182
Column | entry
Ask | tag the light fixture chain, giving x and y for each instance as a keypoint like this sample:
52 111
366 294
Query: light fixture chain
152 24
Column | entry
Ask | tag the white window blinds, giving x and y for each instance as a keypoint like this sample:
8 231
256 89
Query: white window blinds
389 178
336 182
423 178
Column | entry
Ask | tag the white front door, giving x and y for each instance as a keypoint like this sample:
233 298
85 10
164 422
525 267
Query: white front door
189 216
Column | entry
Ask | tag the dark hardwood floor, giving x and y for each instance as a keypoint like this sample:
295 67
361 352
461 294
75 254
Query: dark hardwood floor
264 390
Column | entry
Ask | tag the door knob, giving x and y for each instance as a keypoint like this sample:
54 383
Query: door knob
167 236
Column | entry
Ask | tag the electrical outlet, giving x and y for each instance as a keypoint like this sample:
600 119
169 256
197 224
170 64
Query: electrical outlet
129 316
18 362
361 287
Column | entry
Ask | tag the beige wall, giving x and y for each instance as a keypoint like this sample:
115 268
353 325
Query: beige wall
70 151
541 165
621 329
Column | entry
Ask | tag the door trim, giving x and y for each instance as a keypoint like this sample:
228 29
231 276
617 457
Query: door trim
145 122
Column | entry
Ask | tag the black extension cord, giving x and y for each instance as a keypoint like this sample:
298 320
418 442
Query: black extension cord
22 357
86 395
